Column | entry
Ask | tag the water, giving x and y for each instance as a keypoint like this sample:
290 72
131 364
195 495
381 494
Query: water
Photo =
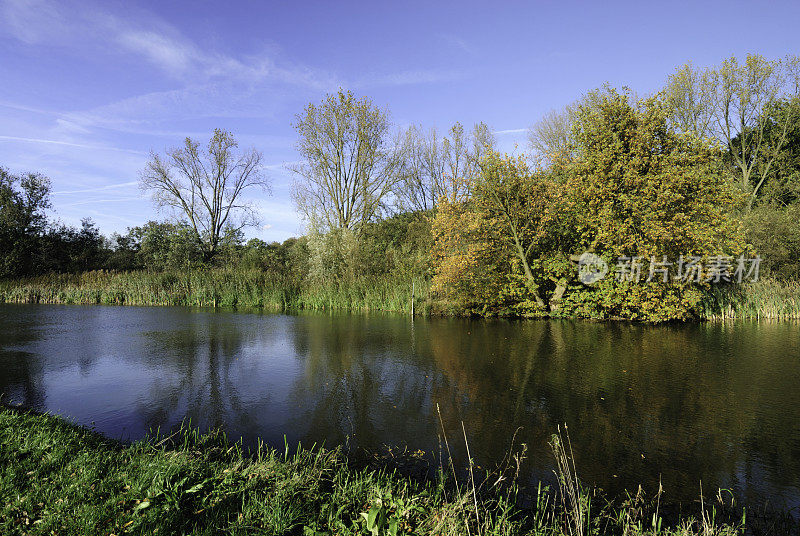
713 402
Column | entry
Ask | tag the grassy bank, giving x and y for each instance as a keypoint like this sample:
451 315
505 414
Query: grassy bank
213 287
56 478
223 287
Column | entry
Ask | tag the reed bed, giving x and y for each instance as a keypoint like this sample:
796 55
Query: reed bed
215 287
757 300
235 287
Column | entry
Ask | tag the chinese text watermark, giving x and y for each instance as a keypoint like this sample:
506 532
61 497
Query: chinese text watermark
686 268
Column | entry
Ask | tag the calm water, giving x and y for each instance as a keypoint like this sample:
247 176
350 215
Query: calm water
717 402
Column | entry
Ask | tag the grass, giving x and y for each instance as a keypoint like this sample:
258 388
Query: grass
235 287
58 478
762 299
211 288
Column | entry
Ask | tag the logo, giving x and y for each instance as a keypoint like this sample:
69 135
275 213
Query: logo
591 268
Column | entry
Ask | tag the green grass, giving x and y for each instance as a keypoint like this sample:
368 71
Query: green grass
235 287
57 478
762 299
216 287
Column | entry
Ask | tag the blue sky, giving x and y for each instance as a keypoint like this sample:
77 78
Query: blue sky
88 89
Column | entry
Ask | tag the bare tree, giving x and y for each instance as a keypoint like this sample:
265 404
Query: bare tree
440 166
349 163
551 138
207 186
421 171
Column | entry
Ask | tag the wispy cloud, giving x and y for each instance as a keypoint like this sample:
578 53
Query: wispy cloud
456 42
69 144
97 189
410 77
166 53
511 131
100 201
35 21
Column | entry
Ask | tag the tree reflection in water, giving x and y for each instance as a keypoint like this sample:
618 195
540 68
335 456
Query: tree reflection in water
680 403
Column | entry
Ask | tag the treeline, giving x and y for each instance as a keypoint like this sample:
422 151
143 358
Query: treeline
706 169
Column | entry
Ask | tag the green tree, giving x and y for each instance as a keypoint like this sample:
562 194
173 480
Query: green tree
23 202
739 104
349 163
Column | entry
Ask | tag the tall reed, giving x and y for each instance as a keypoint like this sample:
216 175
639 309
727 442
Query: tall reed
215 287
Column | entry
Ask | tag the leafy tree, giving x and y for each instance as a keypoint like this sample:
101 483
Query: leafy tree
779 171
774 232
67 249
738 104
633 188
645 189
349 164
23 201
207 187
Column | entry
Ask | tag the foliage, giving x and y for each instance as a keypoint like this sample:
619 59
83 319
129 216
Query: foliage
735 103
23 201
774 232
56 477
633 188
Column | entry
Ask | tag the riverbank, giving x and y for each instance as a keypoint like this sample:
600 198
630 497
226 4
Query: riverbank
58 478
223 287
212 287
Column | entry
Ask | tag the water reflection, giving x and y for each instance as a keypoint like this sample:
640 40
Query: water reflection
717 402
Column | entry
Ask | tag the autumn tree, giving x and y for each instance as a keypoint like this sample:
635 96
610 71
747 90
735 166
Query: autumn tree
207 186
509 230
643 190
349 164
634 188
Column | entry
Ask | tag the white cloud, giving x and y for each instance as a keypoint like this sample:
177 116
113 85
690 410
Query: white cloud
34 21
68 144
164 52
411 77
511 131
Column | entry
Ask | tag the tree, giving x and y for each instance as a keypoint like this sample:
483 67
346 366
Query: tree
690 95
633 188
736 103
744 95
551 138
423 169
23 201
642 188
436 166
499 248
349 164
207 186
